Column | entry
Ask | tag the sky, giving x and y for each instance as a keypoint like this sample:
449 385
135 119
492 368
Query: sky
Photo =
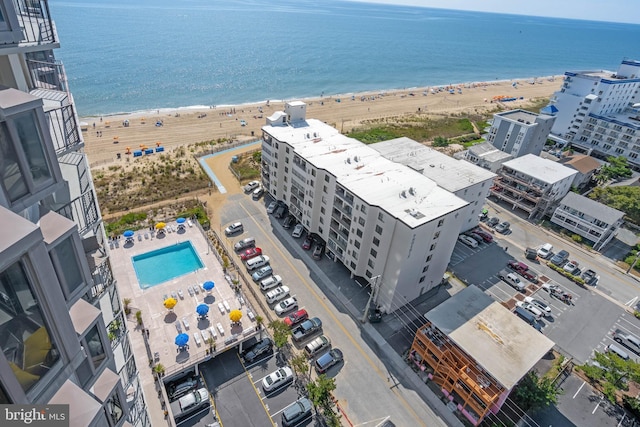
596 10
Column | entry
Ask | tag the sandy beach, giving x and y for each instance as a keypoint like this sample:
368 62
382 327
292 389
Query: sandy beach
107 136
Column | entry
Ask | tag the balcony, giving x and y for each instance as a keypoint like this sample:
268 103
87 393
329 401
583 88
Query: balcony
510 175
36 24
102 282
83 211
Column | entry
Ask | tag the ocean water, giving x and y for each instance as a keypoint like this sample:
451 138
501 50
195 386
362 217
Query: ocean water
133 55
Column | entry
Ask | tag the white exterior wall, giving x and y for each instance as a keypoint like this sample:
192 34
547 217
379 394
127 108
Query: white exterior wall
560 188
476 195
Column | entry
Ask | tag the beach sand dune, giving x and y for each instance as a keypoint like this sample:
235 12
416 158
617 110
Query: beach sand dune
107 136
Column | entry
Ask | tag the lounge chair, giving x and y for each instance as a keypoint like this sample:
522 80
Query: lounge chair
196 336
213 332
190 223
185 322
146 236
164 297
251 315
205 335
226 305
221 308
168 229
181 293
111 245
190 290
139 238
179 327
196 289
220 328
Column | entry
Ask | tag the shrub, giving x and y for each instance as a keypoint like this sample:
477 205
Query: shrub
576 238
440 141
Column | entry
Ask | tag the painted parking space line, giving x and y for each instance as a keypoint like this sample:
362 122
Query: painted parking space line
597 406
578 391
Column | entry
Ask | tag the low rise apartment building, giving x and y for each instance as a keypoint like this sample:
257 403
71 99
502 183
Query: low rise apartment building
532 184
592 220
383 220
476 351
486 156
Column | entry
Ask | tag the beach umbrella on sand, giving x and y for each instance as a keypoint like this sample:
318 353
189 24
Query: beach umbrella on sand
235 315
182 340
202 309
208 285
180 220
160 226
128 233
170 302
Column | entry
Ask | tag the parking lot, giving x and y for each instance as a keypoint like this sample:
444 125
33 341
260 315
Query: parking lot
237 391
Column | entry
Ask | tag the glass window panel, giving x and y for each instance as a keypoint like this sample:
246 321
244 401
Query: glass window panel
12 179
32 145
25 339
114 408
68 269
94 346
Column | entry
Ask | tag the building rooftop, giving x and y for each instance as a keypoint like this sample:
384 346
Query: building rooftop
13 233
540 169
500 342
581 162
449 173
488 152
521 116
401 191
594 209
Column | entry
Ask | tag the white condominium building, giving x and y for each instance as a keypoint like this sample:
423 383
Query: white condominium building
598 111
381 219
63 333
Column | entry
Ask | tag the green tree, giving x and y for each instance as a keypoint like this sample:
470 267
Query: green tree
623 198
281 333
617 168
440 141
320 392
300 365
533 392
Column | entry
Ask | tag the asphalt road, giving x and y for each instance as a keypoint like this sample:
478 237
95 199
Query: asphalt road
366 390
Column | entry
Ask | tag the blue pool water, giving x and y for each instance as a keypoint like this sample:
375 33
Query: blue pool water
161 265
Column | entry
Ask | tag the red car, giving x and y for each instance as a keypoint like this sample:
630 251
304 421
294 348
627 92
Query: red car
250 253
523 269
297 317
306 245
488 238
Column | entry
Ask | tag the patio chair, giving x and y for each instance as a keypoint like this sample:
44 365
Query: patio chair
213 332
220 328
190 223
221 308
181 293
185 322
179 327
251 315
139 238
168 229
196 337
174 295
146 236
164 297
190 290
226 305
196 288
205 335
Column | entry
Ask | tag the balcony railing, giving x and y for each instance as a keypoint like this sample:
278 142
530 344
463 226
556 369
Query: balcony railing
35 22
48 75
63 127
102 281
83 211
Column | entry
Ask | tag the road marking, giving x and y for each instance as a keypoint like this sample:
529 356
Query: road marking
265 406
583 383
339 323
596 408
631 301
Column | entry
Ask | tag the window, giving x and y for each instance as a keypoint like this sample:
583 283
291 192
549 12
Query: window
321 220
368 274
436 235
352 265
66 265
432 247
363 209
378 229
424 270
26 342
356 244
373 253
440 222
13 180
324 188
322 209
358 232
376 241
429 258
313 172
27 130
422 279
94 347
326 179
287 151
371 264
360 220
380 217
286 169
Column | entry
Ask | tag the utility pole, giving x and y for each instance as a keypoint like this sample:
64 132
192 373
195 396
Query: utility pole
374 290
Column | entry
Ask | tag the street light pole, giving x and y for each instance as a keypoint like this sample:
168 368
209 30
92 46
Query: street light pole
374 288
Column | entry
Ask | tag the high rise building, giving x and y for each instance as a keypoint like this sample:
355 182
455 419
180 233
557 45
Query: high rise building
598 112
63 331
520 132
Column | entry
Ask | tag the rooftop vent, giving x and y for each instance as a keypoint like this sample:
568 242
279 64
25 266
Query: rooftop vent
432 165
349 160
403 194
412 191
355 158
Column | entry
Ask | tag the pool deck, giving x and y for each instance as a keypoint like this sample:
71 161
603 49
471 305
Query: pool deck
161 323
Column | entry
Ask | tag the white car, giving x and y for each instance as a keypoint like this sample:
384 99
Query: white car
277 294
251 186
272 207
277 379
468 241
572 267
234 228
297 231
541 304
545 251
270 282
285 306
531 309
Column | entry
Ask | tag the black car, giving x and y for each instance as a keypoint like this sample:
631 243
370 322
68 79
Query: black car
560 258
493 221
259 348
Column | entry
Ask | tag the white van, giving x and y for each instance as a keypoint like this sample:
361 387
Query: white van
277 294
612 348
257 262
270 282
257 193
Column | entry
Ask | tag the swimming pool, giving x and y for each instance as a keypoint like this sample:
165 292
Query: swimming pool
161 265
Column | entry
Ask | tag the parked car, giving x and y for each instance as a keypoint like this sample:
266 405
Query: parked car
503 227
531 309
281 211
297 231
272 207
286 306
244 243
493 221
289 222
261 347
318 251
327 360
486 237
277 294
295 318
262 273
180 388
297 412
590 277
551 287
251 186
628 340
523 269
250 253
560 258
468 241
474 236
257 262
512 280
572 267
542 305
530 253
257 193
277 379
317 346
545 251
306 328
306 244
234 228
270 282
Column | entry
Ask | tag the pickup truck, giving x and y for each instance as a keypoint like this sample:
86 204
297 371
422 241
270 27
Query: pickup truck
190 403
306 328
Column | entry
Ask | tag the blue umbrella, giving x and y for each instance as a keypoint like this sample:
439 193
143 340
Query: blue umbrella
208 285
128 233
202 309
180 220
182 340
